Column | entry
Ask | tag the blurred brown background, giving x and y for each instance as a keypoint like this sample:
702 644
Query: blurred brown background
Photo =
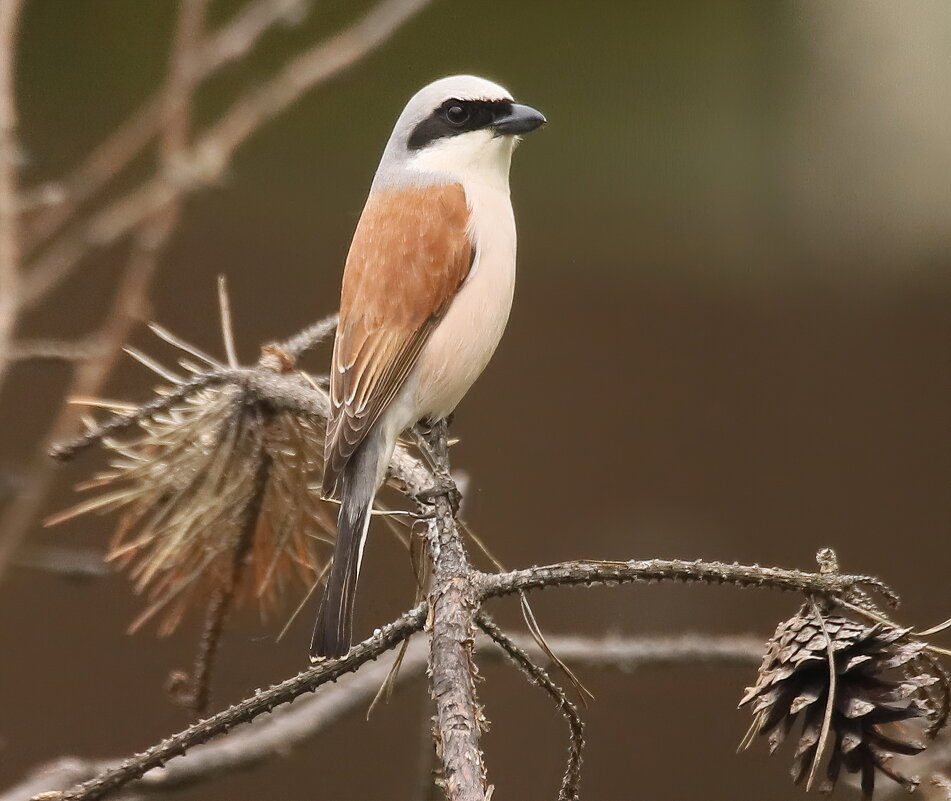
730 340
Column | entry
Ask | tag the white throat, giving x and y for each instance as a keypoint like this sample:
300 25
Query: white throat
471 159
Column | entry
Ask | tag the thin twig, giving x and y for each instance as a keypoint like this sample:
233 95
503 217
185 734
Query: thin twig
284 392
528 615
536 675
220 606
68 448
71 563
293 725
9 234
213 150
231 42
61 350
629 653
196 694
129 303
307 681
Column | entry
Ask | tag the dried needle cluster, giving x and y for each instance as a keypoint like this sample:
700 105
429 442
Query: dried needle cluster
217 494
863 693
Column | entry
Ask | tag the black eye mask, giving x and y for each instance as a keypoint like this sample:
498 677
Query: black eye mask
455 117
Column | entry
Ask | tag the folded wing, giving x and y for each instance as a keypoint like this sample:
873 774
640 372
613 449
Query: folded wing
410 254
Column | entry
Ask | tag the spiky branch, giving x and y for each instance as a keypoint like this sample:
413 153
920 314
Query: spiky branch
457 593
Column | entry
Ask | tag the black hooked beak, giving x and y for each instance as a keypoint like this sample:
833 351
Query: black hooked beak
519 120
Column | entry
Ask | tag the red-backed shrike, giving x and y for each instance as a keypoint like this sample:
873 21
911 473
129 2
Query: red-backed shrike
427 290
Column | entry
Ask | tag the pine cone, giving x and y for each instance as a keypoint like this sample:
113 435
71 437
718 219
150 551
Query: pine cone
869 696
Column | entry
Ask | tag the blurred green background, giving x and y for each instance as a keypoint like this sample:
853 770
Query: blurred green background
730 340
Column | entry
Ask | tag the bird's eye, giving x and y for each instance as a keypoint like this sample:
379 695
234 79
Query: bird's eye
457 115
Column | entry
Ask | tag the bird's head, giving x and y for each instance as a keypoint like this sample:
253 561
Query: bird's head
461 128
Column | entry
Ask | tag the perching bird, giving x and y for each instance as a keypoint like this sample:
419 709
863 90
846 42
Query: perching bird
427 290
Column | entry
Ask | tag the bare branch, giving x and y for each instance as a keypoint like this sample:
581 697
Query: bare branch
628 653
130 299
299 76
220 606
293 725
268 381
215 147
232 41
9 236
280 734
572 779
592 572
56 350
67 449
264 701
454 602
70 563
457 591
51 777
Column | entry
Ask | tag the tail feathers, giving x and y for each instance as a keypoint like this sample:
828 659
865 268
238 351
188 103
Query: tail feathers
334 629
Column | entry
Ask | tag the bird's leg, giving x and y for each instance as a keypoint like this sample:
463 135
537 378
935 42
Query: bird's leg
433 442
421 433
443 484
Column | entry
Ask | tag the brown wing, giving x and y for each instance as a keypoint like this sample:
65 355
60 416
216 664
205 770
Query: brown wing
410 253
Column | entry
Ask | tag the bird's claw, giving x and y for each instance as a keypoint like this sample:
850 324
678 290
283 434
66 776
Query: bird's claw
443 487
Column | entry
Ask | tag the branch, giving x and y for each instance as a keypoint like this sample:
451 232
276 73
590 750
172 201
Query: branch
284 732
67 562
269 381
232 41
219 607
130 299
537 676
294 725
457 590
61 350
454 602
628 653
213 151
307 681
116 424
282 391
647 570
9 240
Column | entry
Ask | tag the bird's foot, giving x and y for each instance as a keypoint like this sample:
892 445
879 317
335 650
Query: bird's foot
428 425
443 487
430 434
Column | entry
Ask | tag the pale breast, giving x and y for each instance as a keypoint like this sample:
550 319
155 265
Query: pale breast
465 339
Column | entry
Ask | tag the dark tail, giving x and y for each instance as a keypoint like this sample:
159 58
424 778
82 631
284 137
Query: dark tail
334 628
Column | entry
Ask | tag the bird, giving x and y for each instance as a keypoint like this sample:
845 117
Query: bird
426 294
